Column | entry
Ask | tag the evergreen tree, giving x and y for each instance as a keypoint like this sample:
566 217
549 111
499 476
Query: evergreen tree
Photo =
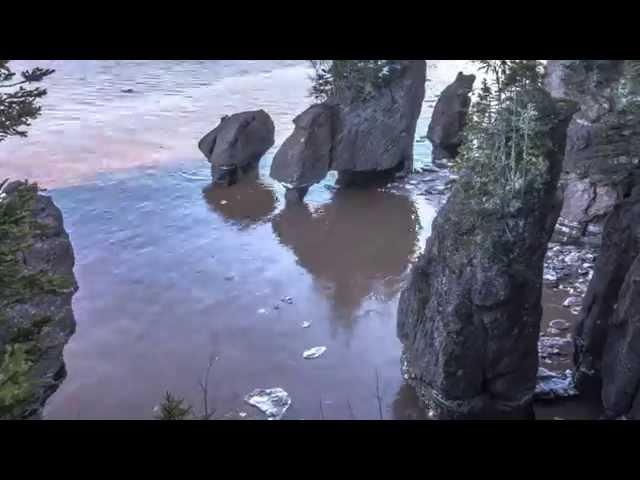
19 99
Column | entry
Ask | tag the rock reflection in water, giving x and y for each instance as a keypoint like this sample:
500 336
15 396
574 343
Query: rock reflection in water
244 204
357 245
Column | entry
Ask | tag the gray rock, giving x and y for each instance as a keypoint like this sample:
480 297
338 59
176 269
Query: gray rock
377 135
237 144
41 317
551 385
621 355
620 247
603 141
470 316
449 118
304 158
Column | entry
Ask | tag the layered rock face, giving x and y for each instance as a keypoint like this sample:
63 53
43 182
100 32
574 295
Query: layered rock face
363 140
469 318
603 142
36 318
620 247
237 144
449 118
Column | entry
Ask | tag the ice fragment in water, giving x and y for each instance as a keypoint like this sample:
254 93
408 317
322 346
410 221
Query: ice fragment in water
262 311
553 385
223 202
314 352
306 324
287 300
273 402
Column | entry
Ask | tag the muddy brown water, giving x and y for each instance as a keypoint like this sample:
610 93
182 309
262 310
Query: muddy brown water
172 270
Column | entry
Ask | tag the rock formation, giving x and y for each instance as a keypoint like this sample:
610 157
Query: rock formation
620 246
449 118
363 140
237 144
621 356
603 142
36 287
305 157
469 318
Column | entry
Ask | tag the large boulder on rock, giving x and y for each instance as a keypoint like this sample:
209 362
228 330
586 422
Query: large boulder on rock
237 144
377 135
469 317
621 356
449 118
305 156
603 141
36 287
620 247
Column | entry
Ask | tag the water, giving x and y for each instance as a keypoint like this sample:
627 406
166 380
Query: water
172 270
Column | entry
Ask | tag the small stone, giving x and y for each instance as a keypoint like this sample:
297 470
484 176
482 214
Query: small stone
572 302
276 307
228 278
127 90
559 324
287 300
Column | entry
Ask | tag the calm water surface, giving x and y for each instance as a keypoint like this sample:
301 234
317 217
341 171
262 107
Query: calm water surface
172 270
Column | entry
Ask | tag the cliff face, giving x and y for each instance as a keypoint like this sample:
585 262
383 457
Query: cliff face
36 288
603 142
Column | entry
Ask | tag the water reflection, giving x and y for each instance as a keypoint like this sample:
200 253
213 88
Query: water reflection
245 203
356 246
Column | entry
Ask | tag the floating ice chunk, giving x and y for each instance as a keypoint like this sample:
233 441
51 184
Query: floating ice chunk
223 202
314 352
554 385
242 414
306 324
287 300
273 402
262 311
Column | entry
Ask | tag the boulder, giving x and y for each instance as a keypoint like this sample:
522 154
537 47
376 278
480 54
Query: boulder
377 135
305 156
469 318
449 118
620 246
37 286
621 356
237 144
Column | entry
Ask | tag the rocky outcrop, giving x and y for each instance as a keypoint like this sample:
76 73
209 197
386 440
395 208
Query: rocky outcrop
36 287
364 140
449 118
603 141
620 246
469 318
305 157
237 144
378 135
621 356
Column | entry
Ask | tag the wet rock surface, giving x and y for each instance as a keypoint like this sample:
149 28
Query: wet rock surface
468 321
38 284
305 156
620 247
237 144
621 356
449 118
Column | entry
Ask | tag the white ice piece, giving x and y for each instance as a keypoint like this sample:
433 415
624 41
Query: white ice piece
273 402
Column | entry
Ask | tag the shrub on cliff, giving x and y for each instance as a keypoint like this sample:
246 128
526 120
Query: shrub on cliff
350 80
501 155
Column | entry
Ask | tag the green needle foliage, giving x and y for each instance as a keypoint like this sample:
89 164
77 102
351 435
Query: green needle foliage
502 152
350 80
18 99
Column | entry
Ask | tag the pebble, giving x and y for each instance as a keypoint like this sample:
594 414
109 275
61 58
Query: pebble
559 324
287 300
